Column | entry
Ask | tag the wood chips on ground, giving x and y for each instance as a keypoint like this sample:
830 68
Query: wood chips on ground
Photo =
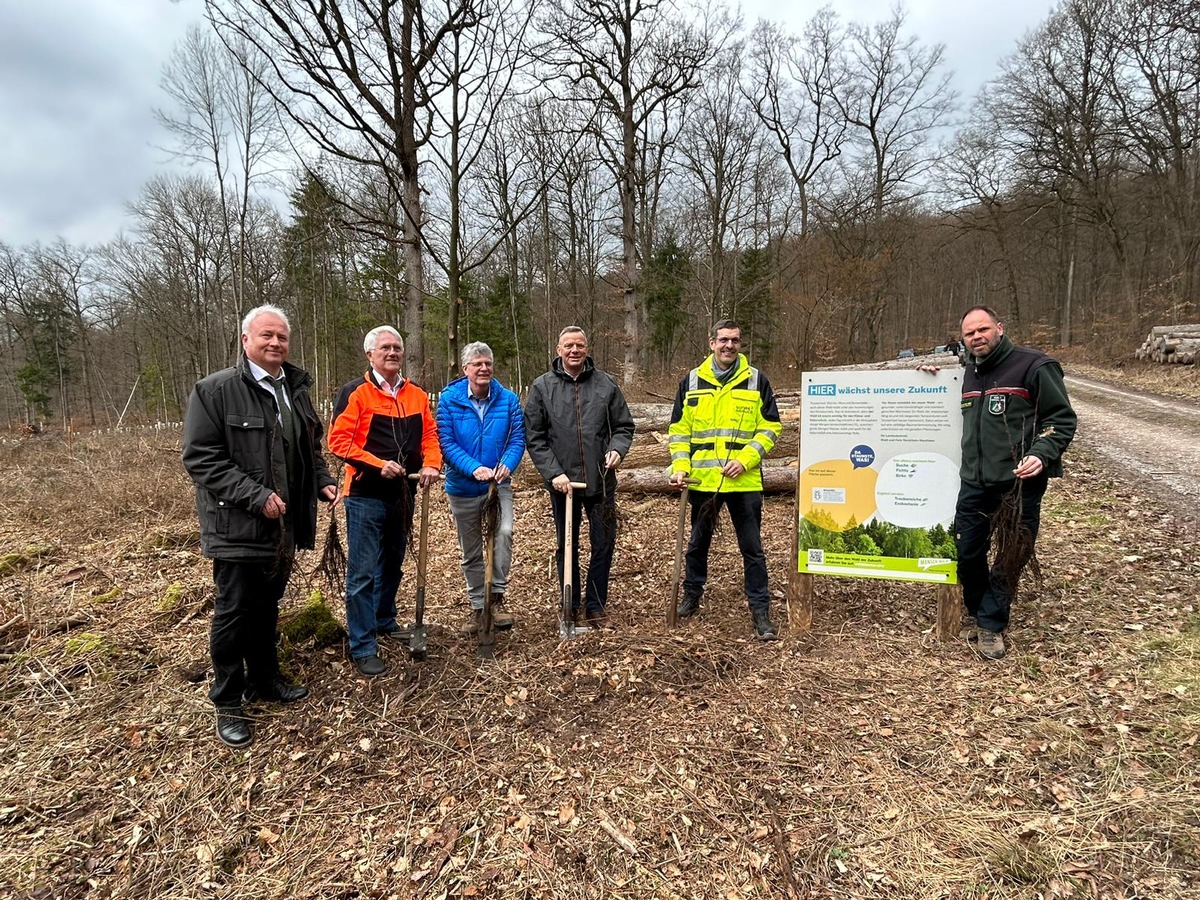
863 759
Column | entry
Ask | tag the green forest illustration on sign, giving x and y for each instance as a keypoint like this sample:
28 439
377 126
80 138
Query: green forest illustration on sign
819 530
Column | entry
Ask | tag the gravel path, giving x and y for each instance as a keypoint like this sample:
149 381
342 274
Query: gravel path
1156 439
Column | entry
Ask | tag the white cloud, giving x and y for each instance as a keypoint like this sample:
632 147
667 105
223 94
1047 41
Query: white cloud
78 82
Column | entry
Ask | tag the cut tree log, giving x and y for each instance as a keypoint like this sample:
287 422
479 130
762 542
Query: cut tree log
1174 329
651 449
776 480
779 477
942 360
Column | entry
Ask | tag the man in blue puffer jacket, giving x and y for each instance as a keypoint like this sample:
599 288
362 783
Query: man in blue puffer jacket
482 434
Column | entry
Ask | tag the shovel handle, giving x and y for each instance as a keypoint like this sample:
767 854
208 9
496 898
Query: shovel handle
415 475
565 610
486 632
673 609
422 555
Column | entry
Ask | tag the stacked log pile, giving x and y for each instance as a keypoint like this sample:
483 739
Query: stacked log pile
1171 344
646 467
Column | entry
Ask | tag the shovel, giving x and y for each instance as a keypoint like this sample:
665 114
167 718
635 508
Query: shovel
677 579
418 640
567 629
486 633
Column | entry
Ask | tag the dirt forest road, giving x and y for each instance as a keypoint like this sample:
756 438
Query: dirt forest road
1156 439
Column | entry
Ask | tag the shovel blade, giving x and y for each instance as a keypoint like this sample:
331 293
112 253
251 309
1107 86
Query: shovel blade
568 630
566 617
418 643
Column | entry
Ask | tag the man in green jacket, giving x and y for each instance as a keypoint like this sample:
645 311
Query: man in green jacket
1017 422
724 423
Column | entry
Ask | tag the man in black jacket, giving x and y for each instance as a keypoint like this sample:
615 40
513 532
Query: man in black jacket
578 428
252 445
1017 422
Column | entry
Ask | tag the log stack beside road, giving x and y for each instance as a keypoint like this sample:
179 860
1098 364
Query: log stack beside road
1171 344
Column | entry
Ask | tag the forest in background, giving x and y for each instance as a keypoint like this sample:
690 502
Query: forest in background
495 169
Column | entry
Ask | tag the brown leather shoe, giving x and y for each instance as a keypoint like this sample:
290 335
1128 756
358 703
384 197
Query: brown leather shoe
471 626
502 620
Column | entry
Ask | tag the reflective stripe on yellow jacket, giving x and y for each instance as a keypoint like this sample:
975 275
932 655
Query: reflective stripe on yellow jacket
713 423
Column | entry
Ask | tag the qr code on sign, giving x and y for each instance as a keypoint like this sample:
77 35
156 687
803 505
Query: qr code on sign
816 557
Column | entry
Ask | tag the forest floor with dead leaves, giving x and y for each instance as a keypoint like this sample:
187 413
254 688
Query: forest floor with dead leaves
861 759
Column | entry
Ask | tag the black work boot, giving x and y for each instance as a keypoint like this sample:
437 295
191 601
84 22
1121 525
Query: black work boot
688 607
763 628
233 728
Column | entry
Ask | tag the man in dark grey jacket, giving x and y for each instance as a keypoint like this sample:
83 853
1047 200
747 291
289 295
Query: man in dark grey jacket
578 428
252 445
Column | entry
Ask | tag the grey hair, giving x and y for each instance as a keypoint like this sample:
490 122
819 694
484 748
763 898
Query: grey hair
572 328
474 349
265 309
374 333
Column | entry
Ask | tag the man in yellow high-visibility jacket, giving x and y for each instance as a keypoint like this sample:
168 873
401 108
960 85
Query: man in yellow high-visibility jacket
724 423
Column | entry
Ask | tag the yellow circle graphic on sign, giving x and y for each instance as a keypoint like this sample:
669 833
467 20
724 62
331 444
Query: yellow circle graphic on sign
835 495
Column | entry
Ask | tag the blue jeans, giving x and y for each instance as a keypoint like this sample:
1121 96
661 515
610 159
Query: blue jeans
745 511
376 532
988 592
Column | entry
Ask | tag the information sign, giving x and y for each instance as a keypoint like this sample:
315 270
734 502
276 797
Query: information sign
879 459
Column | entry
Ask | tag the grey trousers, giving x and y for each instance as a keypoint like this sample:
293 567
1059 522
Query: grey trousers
467 513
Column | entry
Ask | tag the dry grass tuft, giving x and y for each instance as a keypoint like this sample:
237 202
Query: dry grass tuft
863 759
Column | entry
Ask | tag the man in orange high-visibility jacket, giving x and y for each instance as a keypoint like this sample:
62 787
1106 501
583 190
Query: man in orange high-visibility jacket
383 429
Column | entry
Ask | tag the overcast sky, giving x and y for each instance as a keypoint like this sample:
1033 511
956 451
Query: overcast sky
79 81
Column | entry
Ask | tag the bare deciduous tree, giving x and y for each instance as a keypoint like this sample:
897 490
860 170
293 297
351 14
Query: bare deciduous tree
628 59
794 85
1055 110
355 78
224 118
899 93
720 149
476 78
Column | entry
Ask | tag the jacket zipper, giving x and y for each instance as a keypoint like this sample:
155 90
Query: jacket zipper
579 431
979 413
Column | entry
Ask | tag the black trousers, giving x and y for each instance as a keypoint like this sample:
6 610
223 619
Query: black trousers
745 511
242 642
988 591
601 513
